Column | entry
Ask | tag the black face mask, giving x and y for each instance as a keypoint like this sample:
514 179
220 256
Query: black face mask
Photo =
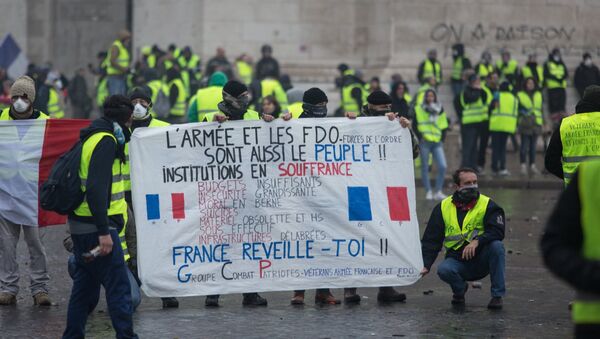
315 111
466 194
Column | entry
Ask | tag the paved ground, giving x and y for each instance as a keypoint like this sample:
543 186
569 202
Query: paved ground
535 306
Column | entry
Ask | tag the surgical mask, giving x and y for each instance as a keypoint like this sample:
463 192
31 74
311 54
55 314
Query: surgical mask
118 132
556 57
466 194
316 111
59 84
139 111
587 62
20 105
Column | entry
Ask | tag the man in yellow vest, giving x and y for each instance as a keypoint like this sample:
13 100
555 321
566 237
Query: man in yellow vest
243 68
485 66
508 68
570 246
269 85
189 65
206 99
354 94
531 122
430 67
55 104
295 102
22 94
533 70
503 123
470 226
459 65
118 61
576 138
95 225
555 77
177 97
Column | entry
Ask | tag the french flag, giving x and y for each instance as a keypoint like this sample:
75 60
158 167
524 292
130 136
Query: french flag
359 203
153 206
28 149
12 58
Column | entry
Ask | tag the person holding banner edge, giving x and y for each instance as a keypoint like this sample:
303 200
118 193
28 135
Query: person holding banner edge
470 226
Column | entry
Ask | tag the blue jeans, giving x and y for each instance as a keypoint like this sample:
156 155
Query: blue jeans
489 260
457 87
109 271
117 84
136 295
437 150
469 134
499 140
528 145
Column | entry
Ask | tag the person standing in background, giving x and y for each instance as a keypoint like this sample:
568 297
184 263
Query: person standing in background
586 74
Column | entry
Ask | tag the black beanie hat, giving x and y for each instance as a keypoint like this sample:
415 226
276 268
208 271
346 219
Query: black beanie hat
590 101
379 98
314 96
234 88
142 92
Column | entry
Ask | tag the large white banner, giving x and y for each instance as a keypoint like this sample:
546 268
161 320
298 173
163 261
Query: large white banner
250 206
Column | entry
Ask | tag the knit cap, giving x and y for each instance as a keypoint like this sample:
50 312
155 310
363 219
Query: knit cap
23 86
314 96
379 98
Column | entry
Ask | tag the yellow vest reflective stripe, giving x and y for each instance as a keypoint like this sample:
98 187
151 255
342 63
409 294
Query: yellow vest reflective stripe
122 59
244 71
53 106
473 112
178 108
273 87
249 115
558 71
348 102
123 242
295 110
117 191
125 167
504 117
586 308
430 129
432 69
528 73
483 70
472 226
533 106
5 115
207 100
579 135
457 69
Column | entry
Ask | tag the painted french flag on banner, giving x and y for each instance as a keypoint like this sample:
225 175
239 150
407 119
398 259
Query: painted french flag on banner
359 203
154 205
28 149
12 58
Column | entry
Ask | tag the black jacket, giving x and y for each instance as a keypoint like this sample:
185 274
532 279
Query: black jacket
470 95
433 238
562 242
267 67
585 76
99 181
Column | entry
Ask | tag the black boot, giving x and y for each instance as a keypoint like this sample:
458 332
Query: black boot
390 295
212 300
350 296
253 299
170 302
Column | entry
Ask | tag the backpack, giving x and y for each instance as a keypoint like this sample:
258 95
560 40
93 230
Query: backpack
161 105
62 193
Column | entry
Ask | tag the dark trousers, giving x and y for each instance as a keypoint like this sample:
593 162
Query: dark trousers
484 136
469 134
499 150
109 271
528 143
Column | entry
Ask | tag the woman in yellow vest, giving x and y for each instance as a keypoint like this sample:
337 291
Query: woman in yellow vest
431 126
570 246
555 77
503 123
470 227
530 124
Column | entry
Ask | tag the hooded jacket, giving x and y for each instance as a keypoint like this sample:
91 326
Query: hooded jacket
99 181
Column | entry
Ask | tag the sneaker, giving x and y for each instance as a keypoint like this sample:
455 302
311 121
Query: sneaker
350 296
459 300
326 299
495 303
439 196
429 195
212 301
298 298
170 302
253 299
504 173
7 298
389 295
42 299
534 169
524 169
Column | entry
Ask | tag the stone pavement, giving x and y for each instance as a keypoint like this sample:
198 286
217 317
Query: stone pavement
535 305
